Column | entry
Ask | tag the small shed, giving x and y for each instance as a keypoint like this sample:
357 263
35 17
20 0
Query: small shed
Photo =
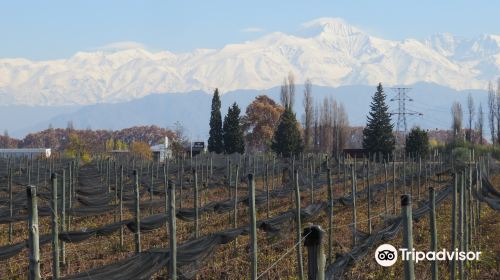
161 152
26 152
356 153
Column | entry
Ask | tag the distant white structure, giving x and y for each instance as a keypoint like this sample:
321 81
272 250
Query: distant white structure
28 152
161 151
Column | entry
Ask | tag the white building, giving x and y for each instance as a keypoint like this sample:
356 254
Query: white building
161 151
28 152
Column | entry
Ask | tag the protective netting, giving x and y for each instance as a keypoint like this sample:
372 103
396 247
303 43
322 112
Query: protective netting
389 231
192 254
488 194
156 221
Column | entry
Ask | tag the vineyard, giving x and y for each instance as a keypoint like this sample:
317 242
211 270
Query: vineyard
239 216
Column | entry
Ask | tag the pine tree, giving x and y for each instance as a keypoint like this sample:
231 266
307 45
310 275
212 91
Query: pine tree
287 140
377 135
232 131
215 140
417 142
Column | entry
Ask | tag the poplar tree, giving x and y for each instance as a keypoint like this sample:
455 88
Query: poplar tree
215 139
232 131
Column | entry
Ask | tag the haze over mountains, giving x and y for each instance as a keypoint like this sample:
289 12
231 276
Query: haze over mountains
328 51
109 89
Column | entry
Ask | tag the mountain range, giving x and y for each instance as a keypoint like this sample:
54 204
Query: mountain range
328 51
192 109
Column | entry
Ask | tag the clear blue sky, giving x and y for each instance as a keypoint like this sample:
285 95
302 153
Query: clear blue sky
57 29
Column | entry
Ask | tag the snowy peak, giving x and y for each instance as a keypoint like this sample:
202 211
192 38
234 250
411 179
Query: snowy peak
486 45
327 27
329 51
462 48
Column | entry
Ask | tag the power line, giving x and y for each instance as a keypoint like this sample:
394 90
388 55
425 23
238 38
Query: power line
402 97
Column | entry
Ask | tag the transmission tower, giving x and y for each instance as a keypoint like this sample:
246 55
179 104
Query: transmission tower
402 97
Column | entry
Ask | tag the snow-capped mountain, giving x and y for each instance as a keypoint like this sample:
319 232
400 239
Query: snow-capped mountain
328 51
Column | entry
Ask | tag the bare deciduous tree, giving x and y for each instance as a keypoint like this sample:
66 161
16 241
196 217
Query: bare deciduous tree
480 124
287 93
492 111
308 115
333 125
291 89
457 116
471 112
341 125
284 98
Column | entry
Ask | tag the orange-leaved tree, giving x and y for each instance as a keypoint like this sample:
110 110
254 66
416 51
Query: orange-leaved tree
260 121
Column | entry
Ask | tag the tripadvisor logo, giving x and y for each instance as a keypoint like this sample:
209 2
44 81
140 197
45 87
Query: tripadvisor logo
387 255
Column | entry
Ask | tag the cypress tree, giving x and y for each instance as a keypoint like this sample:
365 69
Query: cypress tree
232 131
287 140
377 135
215 140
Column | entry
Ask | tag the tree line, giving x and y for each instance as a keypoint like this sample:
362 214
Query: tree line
271 126
86 141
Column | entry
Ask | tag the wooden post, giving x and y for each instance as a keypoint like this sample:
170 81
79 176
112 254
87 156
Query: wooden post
433 229
412 165
55 229
353 195
409 269
369 196
63 216
34 245
330 215
11 198
345 177
394 185
229 175
461 225
312 184
315 253
38 171
298 224
165 189
121 206
70 190
453 262
404 173
137 214
235 221
386 187
151 191
419 175
253 227
468 220
108 181
196 205
268 200
272 173
172 232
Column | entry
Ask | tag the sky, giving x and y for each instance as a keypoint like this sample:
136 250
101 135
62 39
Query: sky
42 30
